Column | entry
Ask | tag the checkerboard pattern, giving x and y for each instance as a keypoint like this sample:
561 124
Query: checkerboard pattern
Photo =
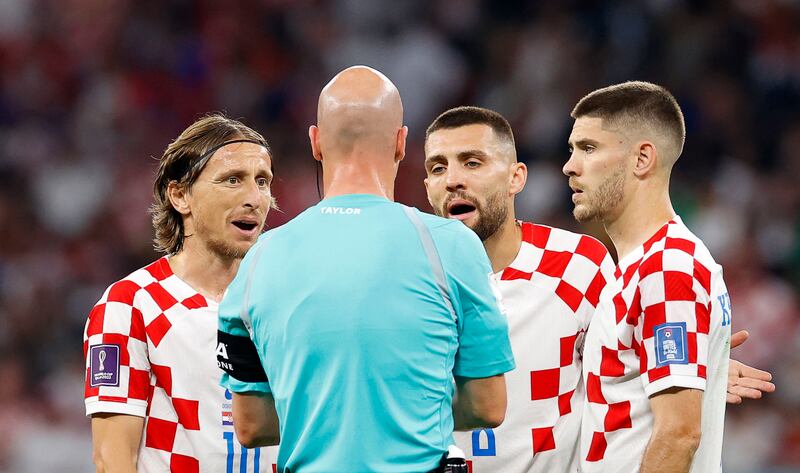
549 291
167 373
669 283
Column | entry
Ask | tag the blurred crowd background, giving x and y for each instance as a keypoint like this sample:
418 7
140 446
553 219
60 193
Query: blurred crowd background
91 91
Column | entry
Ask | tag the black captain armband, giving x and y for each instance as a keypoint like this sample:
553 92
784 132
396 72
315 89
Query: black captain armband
238 357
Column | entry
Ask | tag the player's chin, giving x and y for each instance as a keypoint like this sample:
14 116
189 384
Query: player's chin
582 214
472 221
239 249
243 242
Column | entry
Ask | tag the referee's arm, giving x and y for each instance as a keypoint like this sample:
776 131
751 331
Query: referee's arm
255 419
484 351
479 402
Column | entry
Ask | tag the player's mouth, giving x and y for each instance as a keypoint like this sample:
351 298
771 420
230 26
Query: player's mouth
461 209
248 226
576 191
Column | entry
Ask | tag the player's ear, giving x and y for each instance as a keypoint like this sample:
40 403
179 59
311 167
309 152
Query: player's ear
519 177
646 159
313 137
178 196
400 146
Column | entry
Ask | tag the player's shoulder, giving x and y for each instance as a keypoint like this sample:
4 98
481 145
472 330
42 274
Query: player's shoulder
681 238
676 249
550 238
676 240
125 290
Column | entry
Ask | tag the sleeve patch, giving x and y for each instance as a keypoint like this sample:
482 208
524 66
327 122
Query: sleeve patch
104 365
671 343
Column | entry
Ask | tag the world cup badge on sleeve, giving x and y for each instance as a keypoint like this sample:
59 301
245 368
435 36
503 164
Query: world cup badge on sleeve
670 343
104 365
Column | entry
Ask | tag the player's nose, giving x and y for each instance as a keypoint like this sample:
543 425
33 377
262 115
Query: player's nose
454 179
570 168
254 196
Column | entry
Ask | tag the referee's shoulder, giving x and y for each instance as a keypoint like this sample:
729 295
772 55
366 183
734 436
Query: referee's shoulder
434 222
448 229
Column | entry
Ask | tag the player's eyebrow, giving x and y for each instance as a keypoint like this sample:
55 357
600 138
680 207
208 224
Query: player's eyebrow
438 158
472 153
462 155
242 172
583 142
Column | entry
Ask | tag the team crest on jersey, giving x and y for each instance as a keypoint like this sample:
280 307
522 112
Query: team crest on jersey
104 365
670 341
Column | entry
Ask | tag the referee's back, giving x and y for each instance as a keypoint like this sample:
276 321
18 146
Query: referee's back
356 338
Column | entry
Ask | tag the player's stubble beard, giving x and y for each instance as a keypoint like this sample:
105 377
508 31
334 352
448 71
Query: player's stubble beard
491 214
598 204
217 246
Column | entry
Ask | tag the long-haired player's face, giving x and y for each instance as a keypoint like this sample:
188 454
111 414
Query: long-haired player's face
231 198
469 177
596 169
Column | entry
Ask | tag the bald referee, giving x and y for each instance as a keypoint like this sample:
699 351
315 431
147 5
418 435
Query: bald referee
362 311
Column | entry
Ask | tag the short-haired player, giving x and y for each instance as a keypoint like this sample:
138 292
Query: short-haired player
550 280
656 355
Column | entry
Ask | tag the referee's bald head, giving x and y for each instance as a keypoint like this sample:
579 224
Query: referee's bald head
359 112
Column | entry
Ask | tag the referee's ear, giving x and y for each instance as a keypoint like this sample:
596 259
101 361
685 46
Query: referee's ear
313 136
400 149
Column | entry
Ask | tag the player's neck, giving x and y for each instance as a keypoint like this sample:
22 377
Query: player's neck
639 221
359 176
503 246
203 270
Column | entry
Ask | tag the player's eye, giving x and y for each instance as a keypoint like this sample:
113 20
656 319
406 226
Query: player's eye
589 149
438 169
472 164
232 180
262 182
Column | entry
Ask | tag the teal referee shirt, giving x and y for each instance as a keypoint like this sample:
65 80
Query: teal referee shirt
362 310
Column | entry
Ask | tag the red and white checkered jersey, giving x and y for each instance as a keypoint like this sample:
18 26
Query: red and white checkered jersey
150 349
549 292
664 322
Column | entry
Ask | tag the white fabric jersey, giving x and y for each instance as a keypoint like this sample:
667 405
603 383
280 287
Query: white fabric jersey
150 345
549 292
664 322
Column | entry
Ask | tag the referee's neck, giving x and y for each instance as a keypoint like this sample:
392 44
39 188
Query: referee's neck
357 176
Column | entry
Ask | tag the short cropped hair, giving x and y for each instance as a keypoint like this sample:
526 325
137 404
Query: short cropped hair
182 162
636 102
468 115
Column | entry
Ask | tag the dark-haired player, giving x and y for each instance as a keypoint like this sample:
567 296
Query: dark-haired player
550 280
656 355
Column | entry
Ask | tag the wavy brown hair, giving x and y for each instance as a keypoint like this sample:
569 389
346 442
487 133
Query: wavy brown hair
182 162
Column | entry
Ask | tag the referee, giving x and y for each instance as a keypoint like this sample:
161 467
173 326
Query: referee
346 331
